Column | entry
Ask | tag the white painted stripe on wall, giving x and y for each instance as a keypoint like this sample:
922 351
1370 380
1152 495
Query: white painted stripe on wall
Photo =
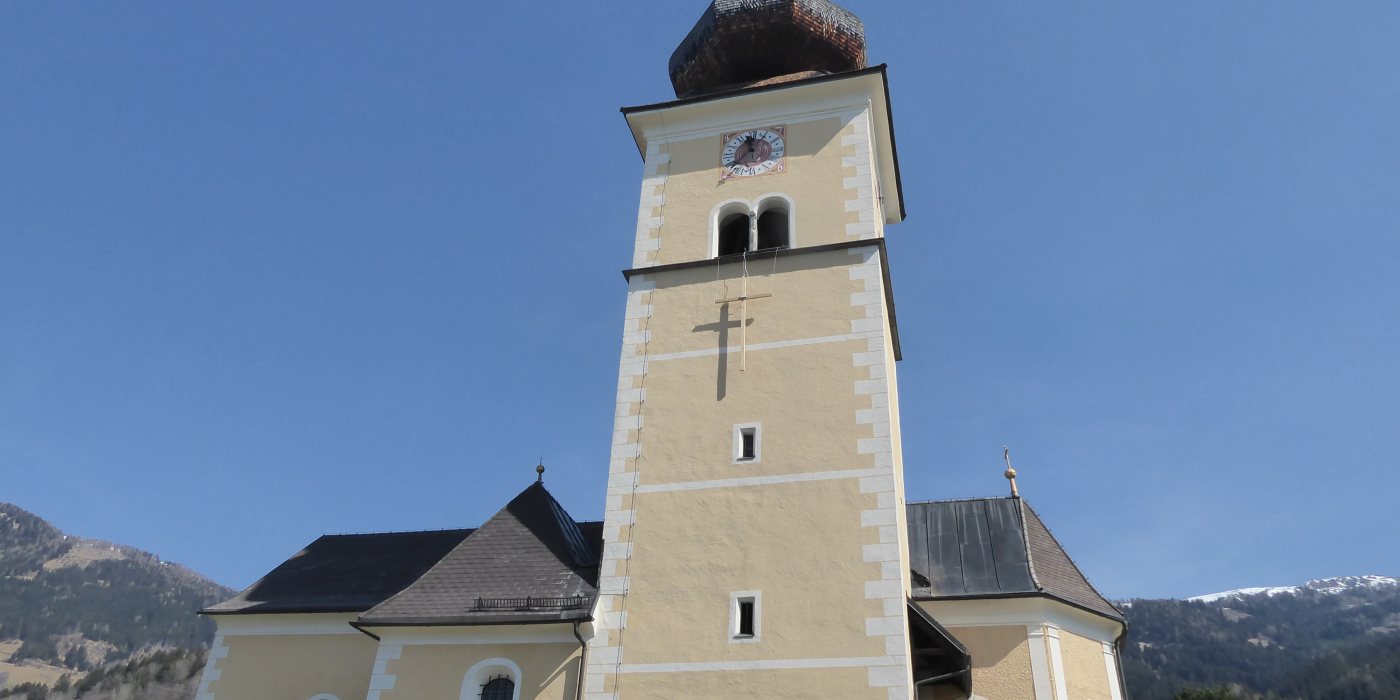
273 628
764 665
758 481
775 345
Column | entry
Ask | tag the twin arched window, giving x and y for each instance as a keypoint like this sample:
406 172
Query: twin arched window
740 230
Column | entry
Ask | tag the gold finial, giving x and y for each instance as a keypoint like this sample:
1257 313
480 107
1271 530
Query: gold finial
1010 472
540 471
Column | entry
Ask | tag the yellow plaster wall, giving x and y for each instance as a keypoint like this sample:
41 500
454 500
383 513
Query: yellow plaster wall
811 298
436 671
807 428
813 178
1001 661
295 667
692 549
1086 676
769 685
812 606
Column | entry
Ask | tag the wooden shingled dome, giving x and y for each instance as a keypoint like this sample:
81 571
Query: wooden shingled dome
739 43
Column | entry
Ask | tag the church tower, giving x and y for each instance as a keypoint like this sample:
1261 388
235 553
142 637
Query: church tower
756 540
755 534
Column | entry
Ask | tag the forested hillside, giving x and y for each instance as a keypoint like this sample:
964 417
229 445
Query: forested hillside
1316 642
164 675
69 605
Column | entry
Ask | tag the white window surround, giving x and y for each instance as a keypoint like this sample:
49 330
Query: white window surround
484 671
756 597
752 210
738 442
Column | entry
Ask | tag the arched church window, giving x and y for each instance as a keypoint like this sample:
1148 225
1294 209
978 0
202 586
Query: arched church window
734 234
498 688
773 225
491 679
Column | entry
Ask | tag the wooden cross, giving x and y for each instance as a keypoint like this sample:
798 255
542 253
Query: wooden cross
743 300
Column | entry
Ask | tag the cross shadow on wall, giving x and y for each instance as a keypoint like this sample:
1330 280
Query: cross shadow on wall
722 326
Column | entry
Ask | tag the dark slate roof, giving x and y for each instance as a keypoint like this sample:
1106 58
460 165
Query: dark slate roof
344 573
530 562
993 547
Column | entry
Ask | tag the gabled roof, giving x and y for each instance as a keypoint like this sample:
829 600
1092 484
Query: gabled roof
343 573
993 547
529 563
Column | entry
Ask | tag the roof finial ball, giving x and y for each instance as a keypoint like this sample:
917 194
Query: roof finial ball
1010 472
539 471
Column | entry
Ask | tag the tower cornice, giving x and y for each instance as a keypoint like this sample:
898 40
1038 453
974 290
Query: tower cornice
713 114
877 243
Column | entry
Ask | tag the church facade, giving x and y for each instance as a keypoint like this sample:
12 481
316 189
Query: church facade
756 540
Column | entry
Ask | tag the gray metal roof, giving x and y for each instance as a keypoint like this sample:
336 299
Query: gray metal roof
993 547
343 573
530 562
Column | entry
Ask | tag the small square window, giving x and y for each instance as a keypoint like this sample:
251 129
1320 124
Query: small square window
748 446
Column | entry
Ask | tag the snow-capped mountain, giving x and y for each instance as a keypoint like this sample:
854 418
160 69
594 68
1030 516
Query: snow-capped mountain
1329 586
1329 639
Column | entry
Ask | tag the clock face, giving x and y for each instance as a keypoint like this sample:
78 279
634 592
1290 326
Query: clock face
753 152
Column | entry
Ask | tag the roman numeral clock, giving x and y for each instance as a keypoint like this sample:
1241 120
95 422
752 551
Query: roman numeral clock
753 152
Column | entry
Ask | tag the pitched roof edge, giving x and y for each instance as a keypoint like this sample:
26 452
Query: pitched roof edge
957 500
1026 542
1120 619
1072 562
377 533
485 620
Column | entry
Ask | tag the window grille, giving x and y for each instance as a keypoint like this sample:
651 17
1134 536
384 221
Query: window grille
498 688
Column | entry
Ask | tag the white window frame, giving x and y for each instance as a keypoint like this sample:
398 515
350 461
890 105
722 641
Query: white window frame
766 202
324 696
485 670
752 209
723 211
756 597
738 443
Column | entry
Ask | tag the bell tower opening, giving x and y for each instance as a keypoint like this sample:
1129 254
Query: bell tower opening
734 235
773 227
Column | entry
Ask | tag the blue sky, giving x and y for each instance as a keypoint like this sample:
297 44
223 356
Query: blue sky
269 270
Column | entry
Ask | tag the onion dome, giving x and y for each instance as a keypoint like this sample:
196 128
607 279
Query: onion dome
744 43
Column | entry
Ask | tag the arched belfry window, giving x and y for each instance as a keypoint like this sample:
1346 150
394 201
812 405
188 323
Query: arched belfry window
741 228
774 224
498 688
734 234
